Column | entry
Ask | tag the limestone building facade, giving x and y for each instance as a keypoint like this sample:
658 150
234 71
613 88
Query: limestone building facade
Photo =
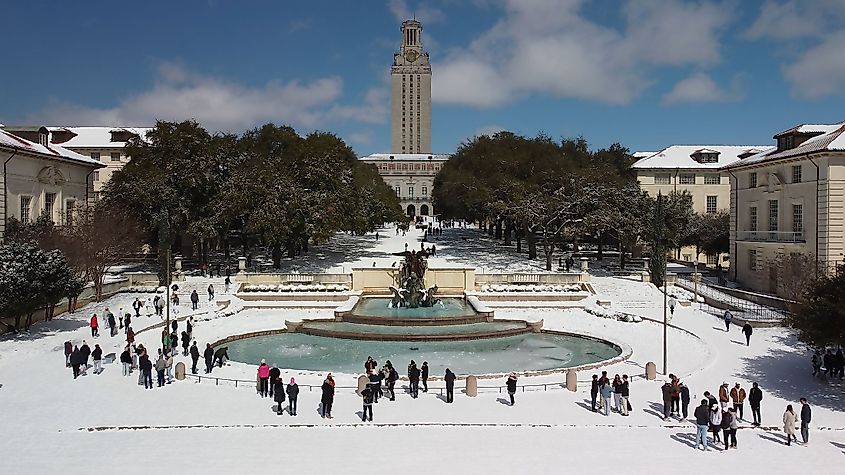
789 199
410 99
412 178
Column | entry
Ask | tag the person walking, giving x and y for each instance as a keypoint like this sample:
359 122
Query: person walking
95 326
210 291
263 378
68 352
293 393
450 385
684 400
789 421
112 323
715 422
747 331
424 374
278 395
97 357
367 395
392 377
126 360
414 379
195 299
195 356
84 352
624 394
594 391
75 361
161 363
666 392
754 398
327 398
146 367
738 397
511 385
806 416
605 391
728 318
208 354
702 423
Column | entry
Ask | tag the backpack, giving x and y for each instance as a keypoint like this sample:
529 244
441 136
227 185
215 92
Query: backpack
726 420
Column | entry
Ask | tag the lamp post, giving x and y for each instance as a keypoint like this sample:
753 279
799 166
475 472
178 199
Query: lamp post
695 278
167 292
661 248
665 322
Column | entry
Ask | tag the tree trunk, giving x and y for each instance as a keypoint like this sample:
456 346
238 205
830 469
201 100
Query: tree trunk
498 232
531 239
490 228
621 256
98 285
518 232
29 320
548 250
508 231
601 246
575 247
276 251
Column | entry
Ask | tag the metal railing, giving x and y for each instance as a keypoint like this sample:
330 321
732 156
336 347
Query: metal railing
746 309
771 236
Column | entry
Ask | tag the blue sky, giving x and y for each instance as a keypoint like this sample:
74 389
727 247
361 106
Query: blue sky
644 73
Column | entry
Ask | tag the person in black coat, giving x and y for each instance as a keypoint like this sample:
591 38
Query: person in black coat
111 321
754 398
747 330
75 361
424 374
327 397
186 342
414 379
146 367
450 385
375 383
126 360
195 298
209 358
594 391
368 395
195 356
511 385
806 416
85 350
274 376
97 356
278 389
293 394
219 354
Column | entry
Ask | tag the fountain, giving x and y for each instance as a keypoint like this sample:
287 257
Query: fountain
411 281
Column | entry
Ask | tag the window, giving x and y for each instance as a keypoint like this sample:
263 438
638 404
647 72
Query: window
752 180
70 207
662 179
49 205
95 196
26 202
96 176
95 155
115 156
43 139
796 173
798 219
712 179
752 219
712 260
711 204
398 191
425 191
687 180
752 259
773 215
411 191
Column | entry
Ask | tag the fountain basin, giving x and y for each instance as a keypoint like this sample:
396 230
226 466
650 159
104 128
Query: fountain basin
358 331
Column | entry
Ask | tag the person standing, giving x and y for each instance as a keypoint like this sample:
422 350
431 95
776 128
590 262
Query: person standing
127 320
715 422
274 378
146 367
738 397
195 356
511 384
168 367
84 352
789 421
278 395
293 393
606 390
186 341
130 336
263 378
424 373
97 356
374 383
624 393
617 393
112 323
195 299
210 291
95 326
208 354
392 377
450 385
68 352
367 395
702 422
729 427
414 379
594 391
806 416
728 319
676 395
161 363
684 400
327 398
754 398
747 331
126 360
137 306
75 361
666 392
723 396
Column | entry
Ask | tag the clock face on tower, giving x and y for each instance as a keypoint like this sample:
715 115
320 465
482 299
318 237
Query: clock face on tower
411 56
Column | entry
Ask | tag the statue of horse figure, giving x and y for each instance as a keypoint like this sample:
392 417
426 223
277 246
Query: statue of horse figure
398 299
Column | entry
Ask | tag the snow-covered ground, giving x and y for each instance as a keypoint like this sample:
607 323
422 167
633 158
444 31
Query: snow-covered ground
107 423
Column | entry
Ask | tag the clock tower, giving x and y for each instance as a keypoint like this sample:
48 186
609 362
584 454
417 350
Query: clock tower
410 100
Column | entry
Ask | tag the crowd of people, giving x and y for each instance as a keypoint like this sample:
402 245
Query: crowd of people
829 364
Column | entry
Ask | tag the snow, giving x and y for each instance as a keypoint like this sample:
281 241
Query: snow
107 423
831 138
406 156
98 137
679 156
10 140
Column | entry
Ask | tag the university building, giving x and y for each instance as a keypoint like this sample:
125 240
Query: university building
696 169
41 178
411 167
785 200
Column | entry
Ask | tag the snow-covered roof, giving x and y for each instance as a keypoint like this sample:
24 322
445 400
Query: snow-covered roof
810 129
9 140
406 156
832 140
643 154
680 156
97 137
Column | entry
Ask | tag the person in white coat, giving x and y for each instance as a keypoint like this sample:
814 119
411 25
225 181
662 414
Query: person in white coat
789 421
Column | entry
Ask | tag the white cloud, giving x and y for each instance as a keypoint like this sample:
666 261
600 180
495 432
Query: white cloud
816 66
423 12
362 137
550 47
373 110
700 88
180 94
489 130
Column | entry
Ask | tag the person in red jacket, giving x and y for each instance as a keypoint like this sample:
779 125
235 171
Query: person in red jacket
95 326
